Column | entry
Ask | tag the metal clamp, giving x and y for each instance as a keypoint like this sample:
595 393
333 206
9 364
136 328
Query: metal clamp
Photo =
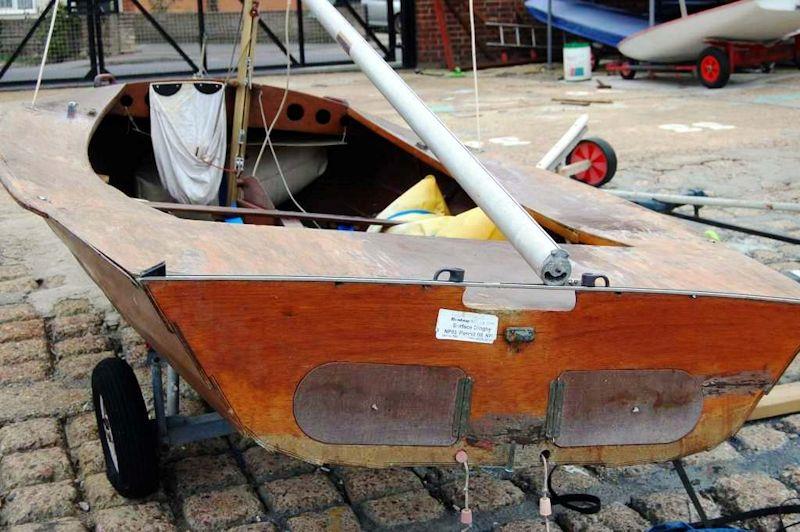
456 275
590 279
519 335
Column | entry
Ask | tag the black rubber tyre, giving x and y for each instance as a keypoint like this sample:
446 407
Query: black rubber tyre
713 68
629 74
127 435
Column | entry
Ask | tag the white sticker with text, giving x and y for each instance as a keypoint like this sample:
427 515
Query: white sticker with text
466 326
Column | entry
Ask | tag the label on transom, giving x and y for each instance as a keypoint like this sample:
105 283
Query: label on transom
466 326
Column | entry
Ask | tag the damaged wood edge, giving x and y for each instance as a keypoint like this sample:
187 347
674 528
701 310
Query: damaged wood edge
749 382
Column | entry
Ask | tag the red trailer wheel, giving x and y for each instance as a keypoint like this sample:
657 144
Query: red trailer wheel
602 161
714 68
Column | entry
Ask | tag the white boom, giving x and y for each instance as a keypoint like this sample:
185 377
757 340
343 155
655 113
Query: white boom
549 261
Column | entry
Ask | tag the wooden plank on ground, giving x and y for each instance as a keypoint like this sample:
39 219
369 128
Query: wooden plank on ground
783 399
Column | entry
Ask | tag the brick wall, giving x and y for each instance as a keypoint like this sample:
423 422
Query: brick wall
430 51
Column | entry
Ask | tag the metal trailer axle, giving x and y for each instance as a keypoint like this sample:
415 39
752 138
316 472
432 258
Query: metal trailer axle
174 429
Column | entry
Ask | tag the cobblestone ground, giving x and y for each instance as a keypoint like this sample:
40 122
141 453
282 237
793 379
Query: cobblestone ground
51 464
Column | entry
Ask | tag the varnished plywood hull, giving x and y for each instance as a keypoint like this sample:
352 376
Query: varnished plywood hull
276 333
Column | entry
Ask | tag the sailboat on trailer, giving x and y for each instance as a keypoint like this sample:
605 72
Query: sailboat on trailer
594 329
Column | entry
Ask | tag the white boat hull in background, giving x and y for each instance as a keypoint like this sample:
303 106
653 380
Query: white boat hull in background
684 38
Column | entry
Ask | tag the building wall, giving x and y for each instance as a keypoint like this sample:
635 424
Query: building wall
430 50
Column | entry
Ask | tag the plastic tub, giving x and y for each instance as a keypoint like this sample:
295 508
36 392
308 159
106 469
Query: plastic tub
577 61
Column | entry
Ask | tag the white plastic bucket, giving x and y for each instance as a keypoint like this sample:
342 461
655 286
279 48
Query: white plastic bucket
577 61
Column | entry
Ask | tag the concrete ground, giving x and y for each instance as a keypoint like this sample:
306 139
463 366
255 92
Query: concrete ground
670 135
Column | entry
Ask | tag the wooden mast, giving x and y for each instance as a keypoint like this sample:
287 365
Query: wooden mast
241 109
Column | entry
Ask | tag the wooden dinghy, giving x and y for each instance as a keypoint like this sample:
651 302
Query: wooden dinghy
353 347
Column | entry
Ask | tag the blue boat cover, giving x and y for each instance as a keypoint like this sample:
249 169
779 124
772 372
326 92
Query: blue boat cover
593 22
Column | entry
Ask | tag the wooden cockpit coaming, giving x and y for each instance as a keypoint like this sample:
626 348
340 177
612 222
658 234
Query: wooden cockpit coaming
658 253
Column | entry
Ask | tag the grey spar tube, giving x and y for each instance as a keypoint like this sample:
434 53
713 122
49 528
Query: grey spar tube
549 261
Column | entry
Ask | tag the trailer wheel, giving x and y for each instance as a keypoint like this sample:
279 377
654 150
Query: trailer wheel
714 68
602 158
628 73
126 433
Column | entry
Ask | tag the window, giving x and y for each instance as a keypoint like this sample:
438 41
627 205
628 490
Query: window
17 6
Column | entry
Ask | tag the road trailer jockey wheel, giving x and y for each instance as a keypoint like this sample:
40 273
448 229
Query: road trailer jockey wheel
628 73
714 68
127 435
602 159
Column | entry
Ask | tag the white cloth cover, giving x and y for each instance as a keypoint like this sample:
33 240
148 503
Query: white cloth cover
188 131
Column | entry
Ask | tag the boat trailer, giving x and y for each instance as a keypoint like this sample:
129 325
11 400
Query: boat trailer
719 60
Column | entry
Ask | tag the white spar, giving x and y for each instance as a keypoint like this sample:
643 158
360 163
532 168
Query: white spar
530 240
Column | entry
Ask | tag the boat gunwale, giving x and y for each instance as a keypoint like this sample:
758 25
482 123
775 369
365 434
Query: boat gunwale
466 284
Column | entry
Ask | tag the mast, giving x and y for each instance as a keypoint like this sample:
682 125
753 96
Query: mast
241 107
540 251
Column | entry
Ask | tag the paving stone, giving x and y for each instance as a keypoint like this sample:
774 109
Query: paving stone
14 331
792 373
614 474
66 524
88 458
30 435
301 494
410 508
749 491
24 351
614 517
81 429
22 285
213 446
362 484
203 473
485 493
22 311
721 453
339 518
31 371
63 327
100 494
267 465
12 271
41 399
221 509
151 516
72 306
760 438
81 345
78 369
39 503
527 525
34 467
790 424
192 407
566 479
791 476
255 527
672 506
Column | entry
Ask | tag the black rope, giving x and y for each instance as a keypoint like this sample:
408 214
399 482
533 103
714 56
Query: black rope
579 502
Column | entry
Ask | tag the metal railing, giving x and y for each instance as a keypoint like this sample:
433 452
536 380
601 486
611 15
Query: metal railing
131 39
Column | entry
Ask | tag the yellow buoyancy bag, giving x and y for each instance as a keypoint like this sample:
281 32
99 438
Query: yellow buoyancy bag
423 200
473 224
